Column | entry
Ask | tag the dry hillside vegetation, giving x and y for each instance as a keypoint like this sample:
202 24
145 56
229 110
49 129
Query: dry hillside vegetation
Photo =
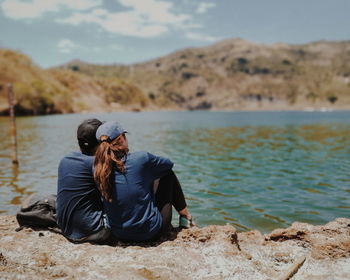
230 75
237 74
39 91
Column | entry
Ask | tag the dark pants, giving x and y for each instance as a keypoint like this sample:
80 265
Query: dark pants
168 194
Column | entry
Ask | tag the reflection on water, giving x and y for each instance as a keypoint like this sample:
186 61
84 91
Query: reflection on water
16 200
252 170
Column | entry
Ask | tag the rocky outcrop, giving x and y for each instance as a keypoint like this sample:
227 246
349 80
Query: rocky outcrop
212 252
329 241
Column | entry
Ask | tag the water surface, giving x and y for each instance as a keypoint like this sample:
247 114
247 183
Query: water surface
250 169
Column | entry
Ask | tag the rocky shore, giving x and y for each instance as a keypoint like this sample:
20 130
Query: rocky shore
302 251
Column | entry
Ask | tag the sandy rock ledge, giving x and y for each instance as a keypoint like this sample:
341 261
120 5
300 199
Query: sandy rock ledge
212 252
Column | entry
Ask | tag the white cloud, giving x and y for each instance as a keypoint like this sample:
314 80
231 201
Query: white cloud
21 9
155 10
204 7
100 12
66 46
146 18
117 47
200 37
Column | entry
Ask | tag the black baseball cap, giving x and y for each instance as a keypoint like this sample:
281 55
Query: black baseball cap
86 133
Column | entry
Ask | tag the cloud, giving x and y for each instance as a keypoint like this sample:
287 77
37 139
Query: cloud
155 11
146 18
200 37
117 47
204 7
66 46
21 9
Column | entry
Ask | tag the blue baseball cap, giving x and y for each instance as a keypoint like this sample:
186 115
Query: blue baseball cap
111 129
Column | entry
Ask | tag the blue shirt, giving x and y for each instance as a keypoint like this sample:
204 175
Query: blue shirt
79 205
132 214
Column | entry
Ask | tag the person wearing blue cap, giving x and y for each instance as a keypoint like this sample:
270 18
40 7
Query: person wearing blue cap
79 211
136 208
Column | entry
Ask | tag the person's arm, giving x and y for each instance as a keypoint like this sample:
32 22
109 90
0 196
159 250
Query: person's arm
159 166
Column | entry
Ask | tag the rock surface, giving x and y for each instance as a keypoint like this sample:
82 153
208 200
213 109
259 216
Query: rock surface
212 252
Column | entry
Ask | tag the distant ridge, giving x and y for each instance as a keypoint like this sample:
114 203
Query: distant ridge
233 74
236 74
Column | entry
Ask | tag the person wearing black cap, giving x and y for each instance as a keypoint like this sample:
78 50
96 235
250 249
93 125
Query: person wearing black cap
79 211
136 209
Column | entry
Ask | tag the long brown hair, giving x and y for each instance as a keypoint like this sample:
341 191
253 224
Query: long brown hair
108 158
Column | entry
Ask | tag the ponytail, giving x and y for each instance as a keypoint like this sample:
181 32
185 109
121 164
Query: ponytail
109 158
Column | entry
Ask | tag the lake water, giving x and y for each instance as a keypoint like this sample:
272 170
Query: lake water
260 170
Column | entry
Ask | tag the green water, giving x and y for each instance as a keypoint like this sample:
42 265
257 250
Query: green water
258 170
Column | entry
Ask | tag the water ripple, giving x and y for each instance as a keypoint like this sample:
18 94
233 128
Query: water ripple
252 170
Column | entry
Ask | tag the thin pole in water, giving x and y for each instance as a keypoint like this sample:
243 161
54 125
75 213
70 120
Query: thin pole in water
13 124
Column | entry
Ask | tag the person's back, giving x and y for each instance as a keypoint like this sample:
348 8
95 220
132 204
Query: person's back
138 189
79 205
132 213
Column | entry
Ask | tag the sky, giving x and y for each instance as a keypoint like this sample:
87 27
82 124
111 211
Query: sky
53 32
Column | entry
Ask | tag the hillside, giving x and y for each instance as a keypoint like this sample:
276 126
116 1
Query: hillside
231 75
39 91
237 74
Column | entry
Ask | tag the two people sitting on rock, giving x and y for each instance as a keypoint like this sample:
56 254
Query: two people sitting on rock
105 190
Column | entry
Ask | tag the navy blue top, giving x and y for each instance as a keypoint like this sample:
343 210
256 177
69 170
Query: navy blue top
132 214
79 205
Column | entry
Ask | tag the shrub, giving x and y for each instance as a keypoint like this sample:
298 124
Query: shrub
286 62
332 98
242 61
312 96
183 65
151 96
188 75
200 93
75 68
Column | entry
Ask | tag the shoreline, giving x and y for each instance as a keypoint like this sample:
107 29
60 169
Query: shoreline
211 252
179 110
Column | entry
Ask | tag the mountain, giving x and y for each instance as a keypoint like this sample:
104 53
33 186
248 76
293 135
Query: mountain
38 91
231 75
236 74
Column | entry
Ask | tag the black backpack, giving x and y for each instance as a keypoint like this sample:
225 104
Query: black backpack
38 211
